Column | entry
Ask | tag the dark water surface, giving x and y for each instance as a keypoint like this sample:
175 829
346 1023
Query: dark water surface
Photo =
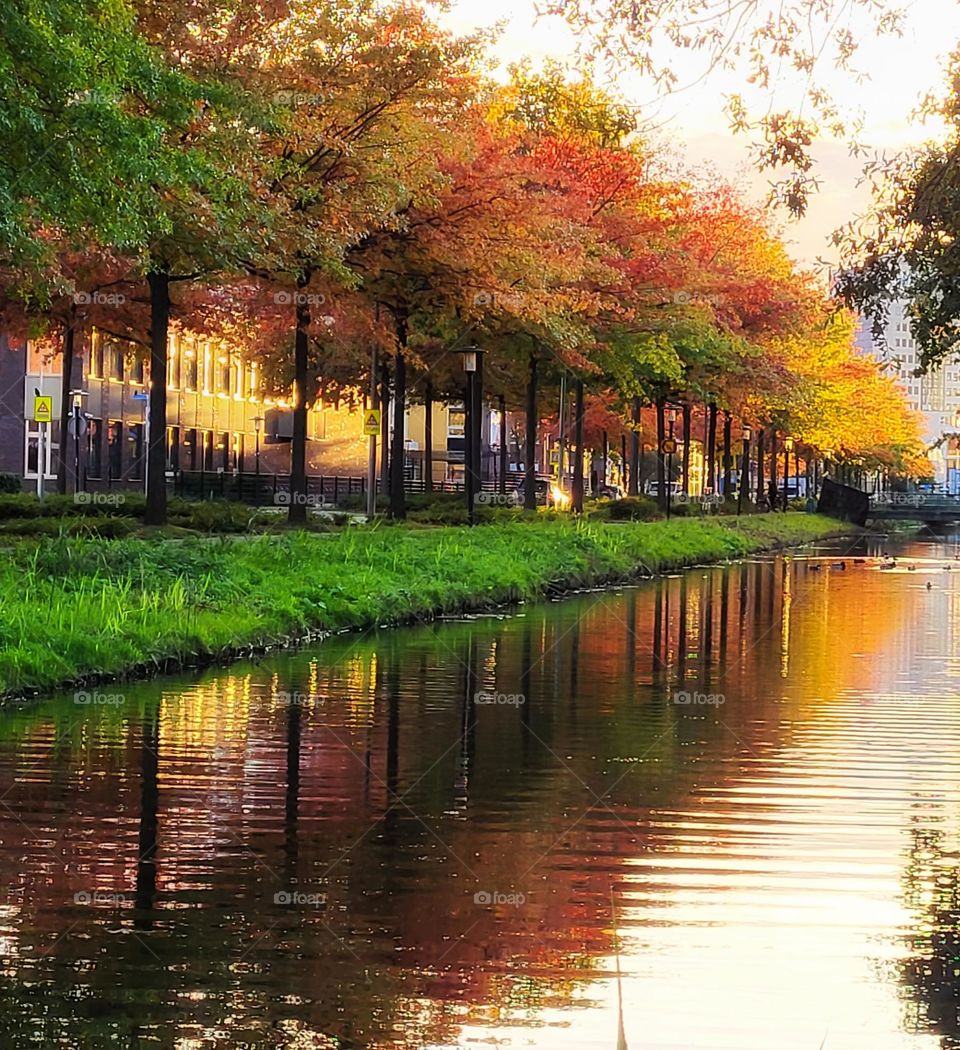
343 848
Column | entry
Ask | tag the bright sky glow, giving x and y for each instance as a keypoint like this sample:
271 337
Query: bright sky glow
899 72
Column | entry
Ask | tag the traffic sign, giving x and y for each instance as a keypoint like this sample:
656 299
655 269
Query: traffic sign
43 409
371 422
668 446
77 426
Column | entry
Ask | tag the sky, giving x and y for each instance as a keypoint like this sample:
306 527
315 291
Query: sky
899 71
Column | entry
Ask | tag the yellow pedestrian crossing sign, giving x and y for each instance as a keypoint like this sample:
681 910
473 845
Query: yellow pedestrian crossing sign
43 409
371 422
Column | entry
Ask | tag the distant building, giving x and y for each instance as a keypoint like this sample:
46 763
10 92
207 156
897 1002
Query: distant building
936 396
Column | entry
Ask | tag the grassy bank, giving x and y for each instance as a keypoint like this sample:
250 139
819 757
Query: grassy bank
76 609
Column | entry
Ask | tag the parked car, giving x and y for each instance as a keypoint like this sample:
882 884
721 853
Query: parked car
652 488
542 490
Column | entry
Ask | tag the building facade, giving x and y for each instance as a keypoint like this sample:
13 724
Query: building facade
218 421
935 396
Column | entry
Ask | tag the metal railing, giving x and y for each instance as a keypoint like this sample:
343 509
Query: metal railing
264 490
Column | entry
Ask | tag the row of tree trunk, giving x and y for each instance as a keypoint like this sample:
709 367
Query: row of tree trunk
392 459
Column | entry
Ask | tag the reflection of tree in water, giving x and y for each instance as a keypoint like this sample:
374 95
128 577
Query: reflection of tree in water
931 974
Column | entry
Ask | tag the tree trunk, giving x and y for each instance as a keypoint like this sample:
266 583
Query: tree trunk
623 463
760 492
478 425
772 486
384 428
661 460
297 510
711 479
502 479
398 503
602 478
66 407
156 509
578 440
428 438
530 454
727 464
635 443
685 464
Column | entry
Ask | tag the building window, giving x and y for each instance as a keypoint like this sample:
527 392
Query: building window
96 355
190 446
223 451
223 375
238 450
456 423
252 381
114 360
51 446
173 448
174 361
135 369
207 370
94 448
43 359
135 437
207 449
191 366
114 449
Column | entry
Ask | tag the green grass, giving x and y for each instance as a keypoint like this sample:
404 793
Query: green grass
75 608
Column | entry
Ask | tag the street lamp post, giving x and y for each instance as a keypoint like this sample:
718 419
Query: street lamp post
257 424
78 424
746 433
472 364
671 420
787 449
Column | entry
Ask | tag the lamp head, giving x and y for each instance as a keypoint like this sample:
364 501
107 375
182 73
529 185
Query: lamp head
470 358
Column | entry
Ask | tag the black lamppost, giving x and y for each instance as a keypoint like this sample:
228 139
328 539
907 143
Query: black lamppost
257 424
671 420
787 449
746 433
472 366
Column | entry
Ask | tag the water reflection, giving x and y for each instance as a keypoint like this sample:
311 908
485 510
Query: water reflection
411 840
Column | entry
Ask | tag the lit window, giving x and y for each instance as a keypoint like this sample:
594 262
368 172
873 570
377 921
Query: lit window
43 359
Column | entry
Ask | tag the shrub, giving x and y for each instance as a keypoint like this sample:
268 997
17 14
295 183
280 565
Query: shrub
216 515
632 508
10 483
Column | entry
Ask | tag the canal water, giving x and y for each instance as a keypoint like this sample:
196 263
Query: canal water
740 786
